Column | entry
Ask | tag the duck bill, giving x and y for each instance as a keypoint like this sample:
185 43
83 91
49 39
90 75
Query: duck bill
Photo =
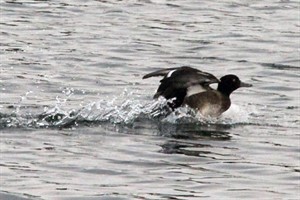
245 84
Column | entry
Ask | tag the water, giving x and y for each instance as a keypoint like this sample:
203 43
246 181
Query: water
78 122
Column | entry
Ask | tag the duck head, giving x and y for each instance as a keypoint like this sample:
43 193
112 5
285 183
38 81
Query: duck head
229 83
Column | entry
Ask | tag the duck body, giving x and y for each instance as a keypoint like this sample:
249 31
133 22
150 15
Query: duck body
190 86
209 103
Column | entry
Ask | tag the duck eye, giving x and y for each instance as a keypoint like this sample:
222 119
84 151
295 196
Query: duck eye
234 80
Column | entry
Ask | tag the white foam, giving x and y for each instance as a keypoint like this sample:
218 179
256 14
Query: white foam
128 108
237 114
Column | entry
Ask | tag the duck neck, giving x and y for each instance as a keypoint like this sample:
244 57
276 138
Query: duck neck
224 89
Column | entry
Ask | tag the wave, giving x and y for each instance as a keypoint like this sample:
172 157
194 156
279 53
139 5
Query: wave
122 110
130 110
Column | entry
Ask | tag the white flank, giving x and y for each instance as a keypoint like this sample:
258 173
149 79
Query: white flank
194 89
170 73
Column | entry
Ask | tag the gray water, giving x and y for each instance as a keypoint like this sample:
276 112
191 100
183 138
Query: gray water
78 122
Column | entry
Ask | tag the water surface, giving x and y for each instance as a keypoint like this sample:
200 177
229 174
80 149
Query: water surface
78 122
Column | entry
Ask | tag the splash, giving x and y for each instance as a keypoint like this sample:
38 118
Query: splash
124 109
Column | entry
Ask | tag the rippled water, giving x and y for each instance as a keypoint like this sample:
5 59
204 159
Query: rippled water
78 122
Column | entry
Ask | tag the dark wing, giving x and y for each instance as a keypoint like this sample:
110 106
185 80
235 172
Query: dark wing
177 82
161 72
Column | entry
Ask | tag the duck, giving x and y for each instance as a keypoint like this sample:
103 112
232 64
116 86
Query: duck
187 86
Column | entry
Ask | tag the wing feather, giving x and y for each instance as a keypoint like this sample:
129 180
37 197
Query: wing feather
180 82
161 72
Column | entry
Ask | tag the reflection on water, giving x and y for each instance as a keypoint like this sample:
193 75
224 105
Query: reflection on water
181 146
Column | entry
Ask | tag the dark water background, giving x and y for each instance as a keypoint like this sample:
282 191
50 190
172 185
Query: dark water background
78 122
